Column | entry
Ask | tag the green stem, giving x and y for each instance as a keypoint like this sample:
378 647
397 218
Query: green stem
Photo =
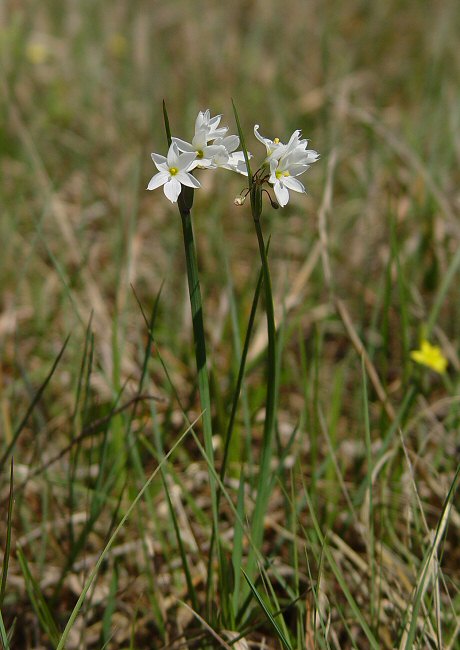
264 484
185 204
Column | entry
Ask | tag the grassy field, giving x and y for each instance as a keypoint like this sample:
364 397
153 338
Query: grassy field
121 525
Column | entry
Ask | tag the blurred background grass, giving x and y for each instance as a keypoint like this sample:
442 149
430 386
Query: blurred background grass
82 84
81 110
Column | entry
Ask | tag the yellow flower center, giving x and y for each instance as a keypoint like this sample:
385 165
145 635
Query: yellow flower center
276 141
199 154
173 171
281 174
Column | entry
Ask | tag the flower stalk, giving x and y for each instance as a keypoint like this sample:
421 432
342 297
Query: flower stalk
185 204
210 149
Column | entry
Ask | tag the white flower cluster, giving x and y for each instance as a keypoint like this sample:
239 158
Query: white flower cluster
211 148
285 162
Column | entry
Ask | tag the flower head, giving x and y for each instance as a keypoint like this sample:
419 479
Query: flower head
173 172
206 130
274 147
204 153
282 177
286 161
430 356
205 122
230 158
213 148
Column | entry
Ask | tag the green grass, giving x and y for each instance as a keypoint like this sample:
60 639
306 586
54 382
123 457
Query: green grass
263 463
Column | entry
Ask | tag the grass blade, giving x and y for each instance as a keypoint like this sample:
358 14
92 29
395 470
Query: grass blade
373 643
243 144
32 405
95 570
38 601
6 554
166 121
3 634
267 612
408 638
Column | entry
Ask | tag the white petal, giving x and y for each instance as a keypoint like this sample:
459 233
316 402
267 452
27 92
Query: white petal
215 154
200 139
230 142
173 156
239 155
275 152
259 137
202 119
214 122
185 160
293 184
201 163
281 193
294 140
221 158
311 156
187 179
236 163
183 146
241 168
296 170
160 161
216 133
172 189
157 180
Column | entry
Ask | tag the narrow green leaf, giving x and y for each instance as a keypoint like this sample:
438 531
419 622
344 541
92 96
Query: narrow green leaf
448 278
243 145
95 570
166 121
267 612
237 551
241 369
3 634
374 644
185 564
33 404
370 523
38 601
6 554
430 555
110 607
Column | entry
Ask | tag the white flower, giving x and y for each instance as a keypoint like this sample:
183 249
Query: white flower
173 172
297 152
287 161
282 177
274 147
237 163
283 173
204 121
206 130
230 159
295 147
204 153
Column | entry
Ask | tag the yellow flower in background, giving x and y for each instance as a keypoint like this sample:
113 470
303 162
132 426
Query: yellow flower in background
37 52
117 45
430 356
